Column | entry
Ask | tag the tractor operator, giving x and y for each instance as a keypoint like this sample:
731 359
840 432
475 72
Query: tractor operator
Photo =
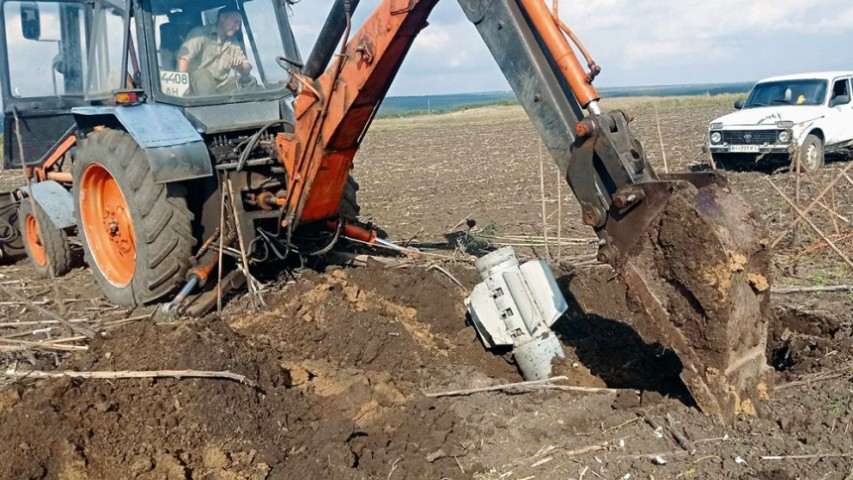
209 54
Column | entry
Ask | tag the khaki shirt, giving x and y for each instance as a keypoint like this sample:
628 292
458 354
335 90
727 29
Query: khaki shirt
205 49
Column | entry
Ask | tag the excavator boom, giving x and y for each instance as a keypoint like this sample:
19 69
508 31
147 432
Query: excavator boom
692 255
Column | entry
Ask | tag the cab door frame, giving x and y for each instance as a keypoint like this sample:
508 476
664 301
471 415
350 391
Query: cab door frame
45 121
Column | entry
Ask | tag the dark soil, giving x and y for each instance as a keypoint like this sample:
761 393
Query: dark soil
341 360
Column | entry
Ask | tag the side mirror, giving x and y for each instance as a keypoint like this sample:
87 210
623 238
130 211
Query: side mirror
30 21
738 104
839 100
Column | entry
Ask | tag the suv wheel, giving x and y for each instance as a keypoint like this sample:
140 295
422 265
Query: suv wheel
811 154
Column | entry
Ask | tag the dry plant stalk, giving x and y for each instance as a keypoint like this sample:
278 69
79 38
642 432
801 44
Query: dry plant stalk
559 215
542 189
38 322
546 384
819 244
811 224
660 137
176 374
20 345
806 457
74 327
221 248
827 288
814 203
27 181
255 297
832 217
449 275
796 206
831 210
33 207
810 381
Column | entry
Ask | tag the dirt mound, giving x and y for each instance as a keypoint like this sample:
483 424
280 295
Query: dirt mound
342 358
149 428
339 369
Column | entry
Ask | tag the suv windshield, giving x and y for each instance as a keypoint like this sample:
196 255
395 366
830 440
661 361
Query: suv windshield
787 92
218 48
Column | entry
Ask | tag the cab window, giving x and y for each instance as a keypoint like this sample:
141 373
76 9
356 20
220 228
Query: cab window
106 72
45 42
225 50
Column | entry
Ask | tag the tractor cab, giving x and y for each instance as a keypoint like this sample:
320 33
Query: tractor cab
120 111
213 51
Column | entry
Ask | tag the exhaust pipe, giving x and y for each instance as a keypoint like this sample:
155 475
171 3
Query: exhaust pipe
330 36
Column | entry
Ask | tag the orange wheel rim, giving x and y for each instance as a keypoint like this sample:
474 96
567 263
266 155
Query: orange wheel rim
109 230
33 235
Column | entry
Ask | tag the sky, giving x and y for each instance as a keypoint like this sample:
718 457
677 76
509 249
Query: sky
637 42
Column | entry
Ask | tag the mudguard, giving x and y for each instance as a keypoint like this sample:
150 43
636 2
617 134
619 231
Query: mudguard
56 202
174 148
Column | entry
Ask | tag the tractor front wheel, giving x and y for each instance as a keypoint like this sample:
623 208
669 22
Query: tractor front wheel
46 245
136 234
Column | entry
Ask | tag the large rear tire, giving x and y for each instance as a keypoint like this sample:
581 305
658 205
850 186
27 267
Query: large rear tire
46 245
136 234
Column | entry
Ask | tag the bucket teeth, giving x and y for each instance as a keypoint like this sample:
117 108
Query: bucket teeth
698 274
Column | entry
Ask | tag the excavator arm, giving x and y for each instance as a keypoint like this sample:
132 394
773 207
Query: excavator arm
691 254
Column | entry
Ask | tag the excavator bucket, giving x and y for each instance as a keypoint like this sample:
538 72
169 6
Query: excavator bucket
695 261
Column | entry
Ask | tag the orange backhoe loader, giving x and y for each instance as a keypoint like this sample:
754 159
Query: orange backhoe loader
175 131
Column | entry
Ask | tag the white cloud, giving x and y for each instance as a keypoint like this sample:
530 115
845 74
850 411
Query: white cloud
432 40
842 21
636 41
696 41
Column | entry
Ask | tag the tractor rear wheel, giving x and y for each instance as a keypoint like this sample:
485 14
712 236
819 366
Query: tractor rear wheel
136 234
46 245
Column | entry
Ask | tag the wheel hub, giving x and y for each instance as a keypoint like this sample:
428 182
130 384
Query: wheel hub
33 235
117 235
811 157
106 220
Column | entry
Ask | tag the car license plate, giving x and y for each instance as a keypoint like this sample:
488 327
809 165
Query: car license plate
744 148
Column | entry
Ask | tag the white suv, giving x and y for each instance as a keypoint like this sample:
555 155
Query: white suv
802 115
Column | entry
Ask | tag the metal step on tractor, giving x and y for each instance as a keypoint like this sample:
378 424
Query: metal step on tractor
169 134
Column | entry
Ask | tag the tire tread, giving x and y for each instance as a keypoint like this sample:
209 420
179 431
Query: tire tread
57 250
162 220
